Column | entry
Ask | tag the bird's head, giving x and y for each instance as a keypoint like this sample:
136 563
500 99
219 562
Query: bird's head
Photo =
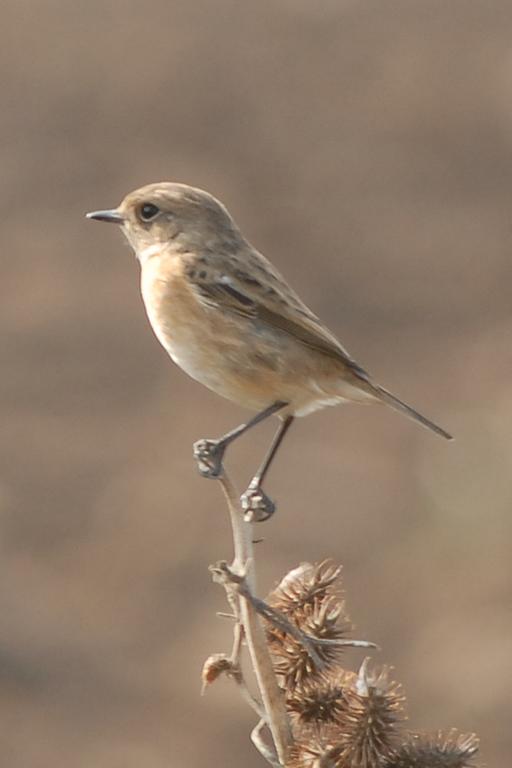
168 215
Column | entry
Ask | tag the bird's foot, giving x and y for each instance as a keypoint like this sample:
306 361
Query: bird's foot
209 455
256 505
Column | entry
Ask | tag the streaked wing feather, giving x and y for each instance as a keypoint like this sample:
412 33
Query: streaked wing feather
291 315
281 308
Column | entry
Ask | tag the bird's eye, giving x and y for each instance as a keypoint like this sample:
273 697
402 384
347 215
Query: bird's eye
148 211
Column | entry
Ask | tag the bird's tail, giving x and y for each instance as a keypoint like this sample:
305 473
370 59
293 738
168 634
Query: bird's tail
398 405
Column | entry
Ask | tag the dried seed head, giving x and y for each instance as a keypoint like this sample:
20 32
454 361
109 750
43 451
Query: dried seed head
316 705
442 750
318 749
310 596
324 619
327 620
306 585
372 718
215 665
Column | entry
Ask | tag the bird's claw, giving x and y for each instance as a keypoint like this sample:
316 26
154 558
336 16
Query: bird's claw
209 455
256 505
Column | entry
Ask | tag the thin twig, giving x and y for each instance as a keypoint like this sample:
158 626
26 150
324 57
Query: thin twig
279 620
343 642
273 700
238 636
264 750
247 695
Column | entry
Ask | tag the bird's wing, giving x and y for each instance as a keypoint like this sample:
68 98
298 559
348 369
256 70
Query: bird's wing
268 299
264 295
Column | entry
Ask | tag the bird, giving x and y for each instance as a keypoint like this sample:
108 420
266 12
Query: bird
231 321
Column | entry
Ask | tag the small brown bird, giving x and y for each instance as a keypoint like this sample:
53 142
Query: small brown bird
229 319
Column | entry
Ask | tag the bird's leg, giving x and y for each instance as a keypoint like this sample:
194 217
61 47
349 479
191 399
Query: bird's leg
209 453
256 505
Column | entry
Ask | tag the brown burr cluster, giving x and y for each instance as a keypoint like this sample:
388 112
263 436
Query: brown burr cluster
341 718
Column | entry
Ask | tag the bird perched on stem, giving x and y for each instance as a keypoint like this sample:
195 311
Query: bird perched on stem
230 320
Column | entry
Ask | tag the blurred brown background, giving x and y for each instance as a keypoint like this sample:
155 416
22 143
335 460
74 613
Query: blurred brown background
366 147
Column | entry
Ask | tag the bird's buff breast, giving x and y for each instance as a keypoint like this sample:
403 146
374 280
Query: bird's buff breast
209 346
177 321
225 352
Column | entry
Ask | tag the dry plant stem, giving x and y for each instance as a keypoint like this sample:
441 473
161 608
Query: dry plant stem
238 636
226 575
249 698
309 642
263 749
272 698
236 651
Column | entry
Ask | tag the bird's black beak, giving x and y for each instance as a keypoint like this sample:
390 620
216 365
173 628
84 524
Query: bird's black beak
113 216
